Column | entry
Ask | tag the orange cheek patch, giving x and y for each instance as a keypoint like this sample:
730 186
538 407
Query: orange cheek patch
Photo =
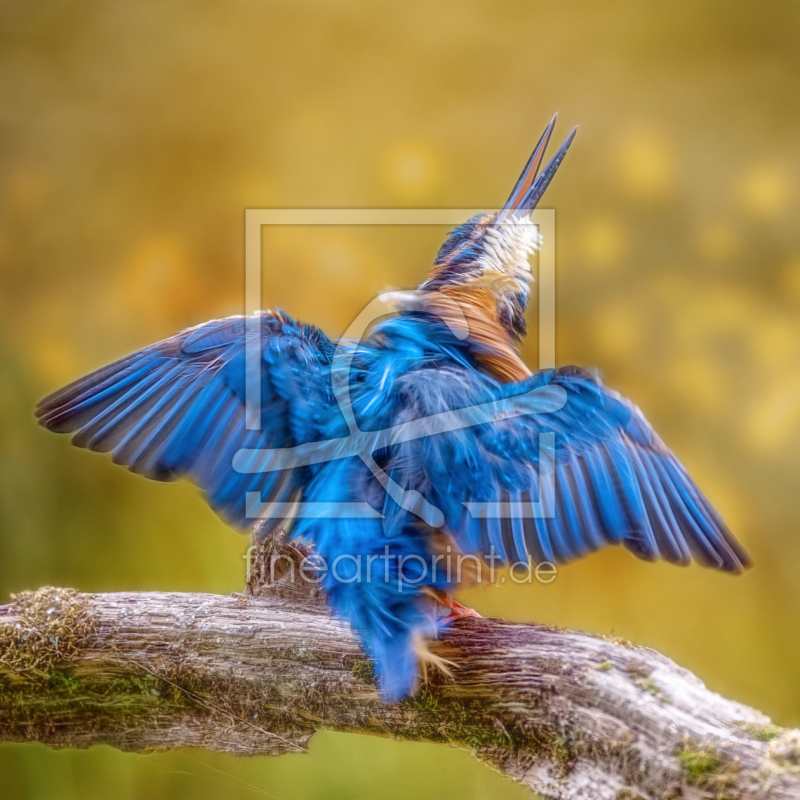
476 305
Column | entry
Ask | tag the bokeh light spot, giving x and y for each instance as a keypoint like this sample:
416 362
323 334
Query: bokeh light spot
159 283
645 165
774 416
617 328
412 169
765 190
337 258
698 381
776 341
603 243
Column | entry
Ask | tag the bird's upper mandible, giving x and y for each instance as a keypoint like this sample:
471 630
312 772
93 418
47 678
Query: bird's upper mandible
490 252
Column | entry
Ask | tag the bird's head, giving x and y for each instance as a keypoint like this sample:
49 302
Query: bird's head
491 251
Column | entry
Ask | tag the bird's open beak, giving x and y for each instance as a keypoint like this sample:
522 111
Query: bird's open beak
530 188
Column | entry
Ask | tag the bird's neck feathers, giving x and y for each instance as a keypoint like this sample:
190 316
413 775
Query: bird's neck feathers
493 258
469 310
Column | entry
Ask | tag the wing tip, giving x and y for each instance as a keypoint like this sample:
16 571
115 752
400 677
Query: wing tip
728 554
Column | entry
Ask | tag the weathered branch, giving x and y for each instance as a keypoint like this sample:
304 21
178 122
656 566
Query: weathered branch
567 714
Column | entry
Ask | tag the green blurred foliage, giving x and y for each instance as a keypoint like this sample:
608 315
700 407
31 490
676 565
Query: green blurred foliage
132 138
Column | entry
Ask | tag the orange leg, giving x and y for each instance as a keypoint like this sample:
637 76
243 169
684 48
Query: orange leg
457 610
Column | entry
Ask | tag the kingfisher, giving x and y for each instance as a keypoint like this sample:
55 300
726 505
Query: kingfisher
422 439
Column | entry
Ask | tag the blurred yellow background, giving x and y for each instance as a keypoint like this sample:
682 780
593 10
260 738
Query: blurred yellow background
134 135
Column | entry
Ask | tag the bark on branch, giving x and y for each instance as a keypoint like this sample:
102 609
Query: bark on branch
567 714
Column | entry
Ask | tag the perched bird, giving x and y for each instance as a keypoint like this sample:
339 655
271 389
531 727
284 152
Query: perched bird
392 453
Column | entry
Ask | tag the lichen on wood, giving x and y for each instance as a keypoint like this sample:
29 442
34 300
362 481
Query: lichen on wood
51 626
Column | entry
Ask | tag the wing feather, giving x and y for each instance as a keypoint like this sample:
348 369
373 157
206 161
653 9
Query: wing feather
615 481
177 408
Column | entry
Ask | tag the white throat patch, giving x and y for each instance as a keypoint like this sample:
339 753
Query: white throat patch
507 247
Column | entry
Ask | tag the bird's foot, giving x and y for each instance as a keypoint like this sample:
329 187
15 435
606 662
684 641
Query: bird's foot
457 610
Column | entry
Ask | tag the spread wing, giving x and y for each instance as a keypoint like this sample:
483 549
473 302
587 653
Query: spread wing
177 408
615 480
